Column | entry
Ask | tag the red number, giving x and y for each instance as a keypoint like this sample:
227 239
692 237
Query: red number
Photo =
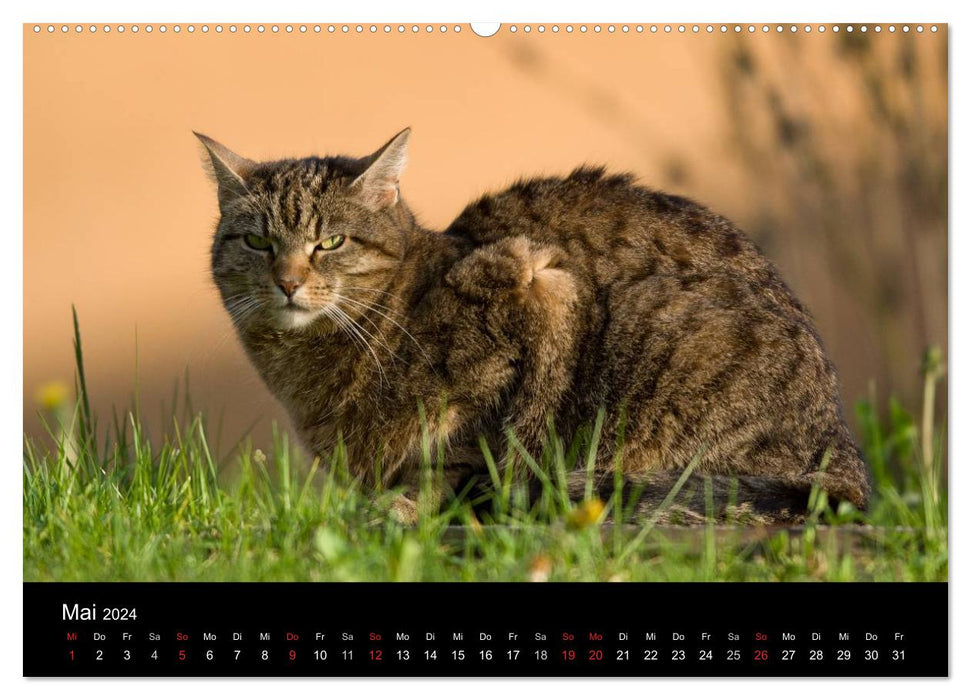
293 655
569 655
596 655
761 654
375 655
181 654
71 652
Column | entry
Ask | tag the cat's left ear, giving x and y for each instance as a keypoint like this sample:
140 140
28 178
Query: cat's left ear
377 187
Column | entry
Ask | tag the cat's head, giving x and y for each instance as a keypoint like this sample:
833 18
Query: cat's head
302 244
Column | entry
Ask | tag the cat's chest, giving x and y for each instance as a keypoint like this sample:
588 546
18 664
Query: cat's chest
312 378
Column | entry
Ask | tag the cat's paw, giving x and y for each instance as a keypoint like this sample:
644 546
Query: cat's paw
404 511
513 264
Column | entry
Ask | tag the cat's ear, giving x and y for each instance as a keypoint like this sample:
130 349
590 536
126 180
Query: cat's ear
377 187
230 170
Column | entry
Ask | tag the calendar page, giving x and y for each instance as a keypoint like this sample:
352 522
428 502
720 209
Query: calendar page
437 349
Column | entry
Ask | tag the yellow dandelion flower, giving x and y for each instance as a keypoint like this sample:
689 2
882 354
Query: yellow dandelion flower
586 513
52 395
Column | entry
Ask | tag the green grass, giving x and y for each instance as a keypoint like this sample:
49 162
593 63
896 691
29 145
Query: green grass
119 506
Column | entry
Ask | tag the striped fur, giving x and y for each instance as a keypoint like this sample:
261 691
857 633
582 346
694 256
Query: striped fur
542 303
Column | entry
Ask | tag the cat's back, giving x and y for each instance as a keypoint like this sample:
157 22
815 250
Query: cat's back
612 232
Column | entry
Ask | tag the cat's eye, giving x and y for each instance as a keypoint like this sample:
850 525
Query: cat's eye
258 242
331 243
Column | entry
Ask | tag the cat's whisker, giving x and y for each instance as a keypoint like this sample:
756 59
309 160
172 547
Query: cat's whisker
382 340
363 331
355 328
371 307
342 326
243 309
383 292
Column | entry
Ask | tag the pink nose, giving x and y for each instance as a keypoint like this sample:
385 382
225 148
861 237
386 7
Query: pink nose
288 287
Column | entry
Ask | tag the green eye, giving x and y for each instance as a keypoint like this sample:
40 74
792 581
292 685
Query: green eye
257 242
332 243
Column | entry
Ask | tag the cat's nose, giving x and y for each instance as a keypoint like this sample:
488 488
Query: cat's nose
288 287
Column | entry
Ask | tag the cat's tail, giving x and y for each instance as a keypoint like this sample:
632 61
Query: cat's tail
693 498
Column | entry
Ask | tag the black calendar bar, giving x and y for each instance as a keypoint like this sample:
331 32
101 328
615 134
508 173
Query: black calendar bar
485 629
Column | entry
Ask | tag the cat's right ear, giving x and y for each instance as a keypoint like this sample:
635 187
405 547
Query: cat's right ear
229 169
377 186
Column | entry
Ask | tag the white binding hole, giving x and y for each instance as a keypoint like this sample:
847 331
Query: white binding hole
485 29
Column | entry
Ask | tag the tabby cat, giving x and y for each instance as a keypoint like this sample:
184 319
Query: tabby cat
539 306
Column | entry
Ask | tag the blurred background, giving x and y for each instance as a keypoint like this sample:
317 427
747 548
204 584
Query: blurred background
829 149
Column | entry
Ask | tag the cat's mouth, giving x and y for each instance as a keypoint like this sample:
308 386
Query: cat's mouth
295 315
292 305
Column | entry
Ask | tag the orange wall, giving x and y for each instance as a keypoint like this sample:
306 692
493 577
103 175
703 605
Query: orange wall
118 213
